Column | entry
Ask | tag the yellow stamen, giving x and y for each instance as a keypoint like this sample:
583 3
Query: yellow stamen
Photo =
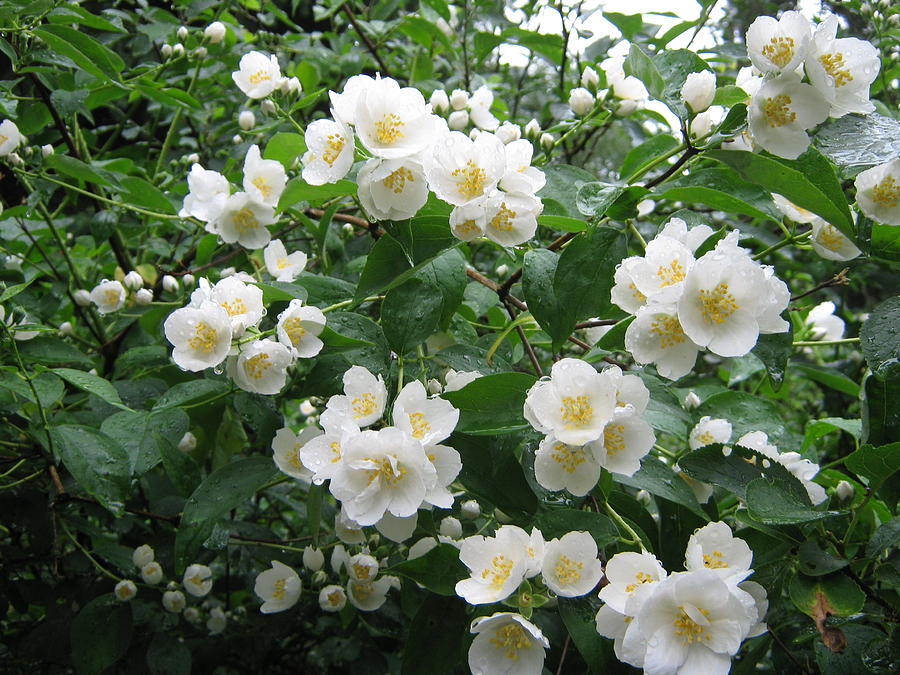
779 51
472 180
204 338
576 411
717 304
778 112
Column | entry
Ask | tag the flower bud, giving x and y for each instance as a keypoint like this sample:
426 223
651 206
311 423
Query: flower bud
589 78
319 577
173 601
474 133
348 229
226 272
313 559
626 107
290 86
307 408
502 517
13 262
470 509
581 101
125 590
201 53
267 106
643 497
182 33
236 139
192 158
698 90
533 129
691 401
439 100
451 527
702 124
152 573
459 99
143 297
178 50
143 555
82 297
133 281
47 150
188 442
65 328
508 132
844 491
246 120
14 159
502 270
188 280
215 32
458 120
547 141
339 558
166 51
170 283
433 387
191 614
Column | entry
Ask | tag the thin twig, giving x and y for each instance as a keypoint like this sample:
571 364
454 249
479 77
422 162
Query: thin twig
839 279
790 654
562 658
373 50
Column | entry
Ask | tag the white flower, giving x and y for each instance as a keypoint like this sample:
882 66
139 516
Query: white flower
173 601
693 623
264 179
461 170
842 69
125 590
66 328
278 588
362 567
698 90
243 220
298 328
329 154
191 614
626 439
322 454
480 109
332 598
339 558
428 420
825 325
589 78
533 129
197 580
714 547
215 32
700 126
143 297
261 367
348 531
379 471
581 101
830 243
188 442
458 120
656 336
9 137
447 463
659 275
456 380
708 431
470 509
47 150
781 112
290 86
313 558
364 396
243 302
392 189
558 466
520 176
508 132
133 281
281 265
217 621
778 46
142 555
268 105
368 596
450 527
393 121
631 578
511 217
246 120
467 222
570 566
459 99
439 101
878 192
109 296
286 445
796 213
82 297
258 75
170 283
625 292
844 490
574 404
761 602
200 335
152 573
548 141
618 626
497 565
506 644
344 104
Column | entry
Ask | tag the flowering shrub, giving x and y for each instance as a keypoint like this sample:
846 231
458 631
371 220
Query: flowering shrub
460 339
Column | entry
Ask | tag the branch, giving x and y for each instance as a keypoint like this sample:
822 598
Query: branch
839 279
365 38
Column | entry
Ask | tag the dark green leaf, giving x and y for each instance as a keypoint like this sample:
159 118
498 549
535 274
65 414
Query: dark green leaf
832 594
563 183
564 223
438 570
492 404
639 64
83 50
628 24
878 465
780 502
556 523
93 384
880 412
192 394
774 350
137 433
659 479
298 190
578 615
447 273
815 562
409 314
168 655
50 388
100 634
640 156
746 413
491 471
142 193
674 65
830 377
181 468
880 339
722 189
444 616
98 463
855 142
77 169
228 487
594 198
733 471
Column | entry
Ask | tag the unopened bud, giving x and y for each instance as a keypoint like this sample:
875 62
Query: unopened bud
246 120
188 280
691 401
698 90
459 99
188 442
547 141
267 106
215 32
533 129
475 133
508 132
502 270
182 33
236 139
458 120
152 573
170 283
643 497
173 601
192 158
191 614
433 387
143 297
166 51
589 78
125 590
313 558
133 281
65 328
201 53
14 159
143 555
470 509
439 100
581 101
319 577
178 50
47 150
844 491
451 527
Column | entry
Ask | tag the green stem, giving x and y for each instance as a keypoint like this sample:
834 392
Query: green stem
634 231
667 453
87 553
825 343
22 480
283 114
37 399
347 303
781 244
620 521
656 162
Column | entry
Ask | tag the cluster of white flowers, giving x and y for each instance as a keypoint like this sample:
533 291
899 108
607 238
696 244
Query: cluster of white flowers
685 622
111 295
782 108
381 477
721 301
492 186
241 217
591 421
630 91
209 328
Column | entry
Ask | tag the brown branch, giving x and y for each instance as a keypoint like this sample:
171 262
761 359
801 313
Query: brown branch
839 279
595 324
373 50
800 666
565 651
525 343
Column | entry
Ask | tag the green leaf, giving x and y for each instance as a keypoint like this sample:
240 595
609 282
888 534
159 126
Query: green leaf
298 190
877 465
564 223
774 350
639 64
538 272
181 468
285 147
549 45
138 432
98 463
142 193
422 31
880 339
74 14
628 24
92 384
556 523
746 413
561 188
439 6
278 291
661 480
779 502
722 189
815 562
322 290
168 655
834 594
491 471
830 377
75 168
492 404
808 181
100 634
444 616
855 142
640 156
13 291
83 50
192 394
815 429
880 412
438 570
729 95
228 487
594 198
50 388
446 273
167 96
578 615
409 314
674 65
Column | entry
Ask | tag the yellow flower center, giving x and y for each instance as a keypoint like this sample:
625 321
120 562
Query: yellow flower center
244 220
467 227
669 330
256 366
111 296
234 307
503 220
831 238
295 330
420 425
778 112
335 598
779 51
576 411
688 629
263 186
569 456
336 451
387 129
390 476
714 561
641 578
362 571
834 65
887 192
204 338
614 438
510 639
670 275
293 457
567 571
718 304
281 263
397 181
705 438
471 180
334 145
498 572
363 405
280 590
259 76
635 293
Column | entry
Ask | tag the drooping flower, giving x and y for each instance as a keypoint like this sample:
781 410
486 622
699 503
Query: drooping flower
479 104
108 296
878 192
778 45
258 74
197 580
201 336
243 220
298 329
286 445
261 367
332 598
708 431
152 573
125 590
506 644
825 325
282 265
781 112
570 566
392 189
715 547
264 179
830 243
279 588
329 154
